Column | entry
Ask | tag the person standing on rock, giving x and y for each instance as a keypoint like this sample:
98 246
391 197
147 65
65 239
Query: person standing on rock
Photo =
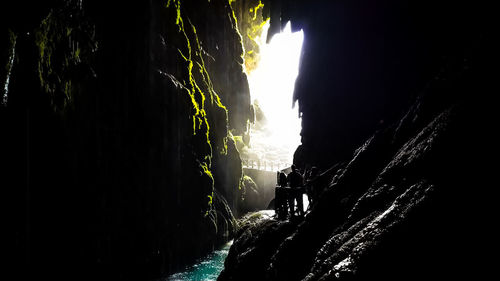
295 180
282 179
311 189
280 198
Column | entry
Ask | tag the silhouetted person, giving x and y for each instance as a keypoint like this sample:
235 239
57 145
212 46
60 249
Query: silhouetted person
282 179
295 181
280 196
311 190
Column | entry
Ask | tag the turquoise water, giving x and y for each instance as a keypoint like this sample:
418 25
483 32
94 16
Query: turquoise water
207 269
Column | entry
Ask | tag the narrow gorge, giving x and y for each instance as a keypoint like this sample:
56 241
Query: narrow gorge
131 141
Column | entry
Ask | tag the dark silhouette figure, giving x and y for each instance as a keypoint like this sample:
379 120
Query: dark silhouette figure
311 190
280 196
295 180
282 179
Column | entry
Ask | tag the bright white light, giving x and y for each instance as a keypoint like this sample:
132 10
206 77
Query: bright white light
272 84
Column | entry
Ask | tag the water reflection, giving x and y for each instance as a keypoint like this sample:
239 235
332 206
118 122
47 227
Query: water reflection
207 269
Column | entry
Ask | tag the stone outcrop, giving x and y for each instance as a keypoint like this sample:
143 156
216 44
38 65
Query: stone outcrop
258 237
396 211
397 123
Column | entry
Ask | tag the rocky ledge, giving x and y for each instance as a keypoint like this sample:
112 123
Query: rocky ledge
394 211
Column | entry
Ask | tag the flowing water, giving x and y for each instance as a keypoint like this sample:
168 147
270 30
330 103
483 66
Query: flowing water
207 269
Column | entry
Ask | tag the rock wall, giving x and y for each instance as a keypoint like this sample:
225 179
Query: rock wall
406 206
364 63
403 199
118 162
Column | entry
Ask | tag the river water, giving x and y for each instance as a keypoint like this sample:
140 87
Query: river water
207 269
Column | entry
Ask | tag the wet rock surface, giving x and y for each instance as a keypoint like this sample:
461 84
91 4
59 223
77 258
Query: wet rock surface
396 211
257 239
399 132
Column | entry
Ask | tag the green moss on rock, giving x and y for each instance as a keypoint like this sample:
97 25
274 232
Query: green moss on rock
65 41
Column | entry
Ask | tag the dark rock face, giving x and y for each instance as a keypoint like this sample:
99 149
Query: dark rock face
396 211
228 176
251 16
409 203
117 159
364 62
222 47
258 237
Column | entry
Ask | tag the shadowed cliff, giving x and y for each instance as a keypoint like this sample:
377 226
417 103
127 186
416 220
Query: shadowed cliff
118 160
396 111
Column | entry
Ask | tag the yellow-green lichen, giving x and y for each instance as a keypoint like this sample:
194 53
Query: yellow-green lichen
235 27
207 173
209 116
177 4
255 9
59 40
252 25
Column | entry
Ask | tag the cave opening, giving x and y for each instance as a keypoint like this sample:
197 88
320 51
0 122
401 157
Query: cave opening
275 134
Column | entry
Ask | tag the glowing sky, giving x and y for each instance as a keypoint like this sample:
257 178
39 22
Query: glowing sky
272 84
